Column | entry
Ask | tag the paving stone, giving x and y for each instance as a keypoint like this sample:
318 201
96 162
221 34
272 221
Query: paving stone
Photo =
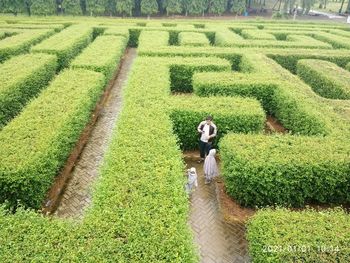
218 241
77 195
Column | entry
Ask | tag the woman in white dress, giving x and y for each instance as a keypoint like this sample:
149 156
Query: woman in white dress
210 167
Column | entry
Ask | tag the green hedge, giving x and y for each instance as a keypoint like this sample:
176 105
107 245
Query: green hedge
325 78
240 115
348 66
285 170
103 55
36 143
259 38
234 84
134 37
334 40
257 34
181 73
21 42
22 79
290 61
290 103
193 39
66 44
299 236
139 217
153 39
117 31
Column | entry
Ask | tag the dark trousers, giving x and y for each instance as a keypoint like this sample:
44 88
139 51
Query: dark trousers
204 148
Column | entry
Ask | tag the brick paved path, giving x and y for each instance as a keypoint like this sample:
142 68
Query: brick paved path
77 195
217 241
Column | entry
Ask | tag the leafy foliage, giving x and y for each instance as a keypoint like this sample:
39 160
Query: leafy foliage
288 170
149 7
43 7
230 115
103 55
75 39
181 73
299 236
193 39
21 42
36 144
124 7
72 7
22 79
326 78
96 7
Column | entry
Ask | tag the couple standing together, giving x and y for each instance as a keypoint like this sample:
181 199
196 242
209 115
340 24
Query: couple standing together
207 130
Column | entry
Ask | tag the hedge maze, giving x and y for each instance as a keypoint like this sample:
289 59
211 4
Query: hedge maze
239 72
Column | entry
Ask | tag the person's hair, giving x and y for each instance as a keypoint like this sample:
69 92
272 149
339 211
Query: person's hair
209 118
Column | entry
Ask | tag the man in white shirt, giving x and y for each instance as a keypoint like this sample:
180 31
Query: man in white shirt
208 131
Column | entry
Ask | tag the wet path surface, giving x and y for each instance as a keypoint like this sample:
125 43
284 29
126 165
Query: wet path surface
217 241
77 195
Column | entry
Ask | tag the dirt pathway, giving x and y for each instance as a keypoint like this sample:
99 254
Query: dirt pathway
218 241
77 195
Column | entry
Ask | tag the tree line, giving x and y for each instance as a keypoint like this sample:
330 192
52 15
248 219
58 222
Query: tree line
123 7
142 7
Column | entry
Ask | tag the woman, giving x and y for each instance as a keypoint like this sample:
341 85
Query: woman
210 167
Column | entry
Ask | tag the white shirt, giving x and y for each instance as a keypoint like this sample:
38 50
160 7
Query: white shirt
206 129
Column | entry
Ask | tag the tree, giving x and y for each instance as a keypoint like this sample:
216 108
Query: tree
110 7
149 7
96 7
43 7
185 4
238 7
172 7
27 6
83 6
306 6
347 11
124 7
217 6
196 7
71 7
12 6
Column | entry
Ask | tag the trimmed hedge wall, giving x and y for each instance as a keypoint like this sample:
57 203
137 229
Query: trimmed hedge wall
23 77
291 104
326 79
234 84
143 220
153 39
193 39
240 115
335 40
290 61
299 236
257 34
37 143
226 38
117 31
285 170
21 42
181 73
66 44
103 55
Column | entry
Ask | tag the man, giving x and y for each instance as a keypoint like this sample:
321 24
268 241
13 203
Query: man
207 130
